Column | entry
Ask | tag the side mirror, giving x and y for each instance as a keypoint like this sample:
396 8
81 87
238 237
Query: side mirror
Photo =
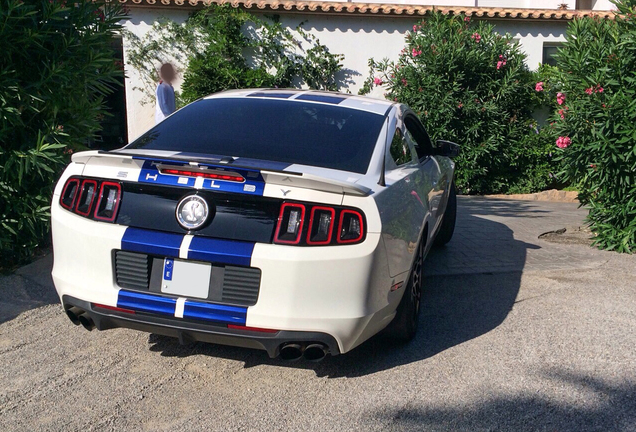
447 148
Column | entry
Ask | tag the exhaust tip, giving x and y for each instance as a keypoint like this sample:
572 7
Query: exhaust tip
87 322
315 352
291 352
73 314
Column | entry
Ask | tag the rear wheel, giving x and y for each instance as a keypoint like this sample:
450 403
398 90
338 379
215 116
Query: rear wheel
404 325
445 233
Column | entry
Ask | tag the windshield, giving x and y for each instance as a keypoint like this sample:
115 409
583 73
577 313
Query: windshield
294 132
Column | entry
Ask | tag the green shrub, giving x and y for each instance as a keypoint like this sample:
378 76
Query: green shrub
223 48
596 123
470 85
56 67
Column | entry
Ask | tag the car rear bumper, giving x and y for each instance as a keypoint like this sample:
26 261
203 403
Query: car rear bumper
187 332
337 295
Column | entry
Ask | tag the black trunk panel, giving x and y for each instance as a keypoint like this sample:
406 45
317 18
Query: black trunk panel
232 216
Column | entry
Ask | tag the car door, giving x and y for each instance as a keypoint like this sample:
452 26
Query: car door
432 178
404 204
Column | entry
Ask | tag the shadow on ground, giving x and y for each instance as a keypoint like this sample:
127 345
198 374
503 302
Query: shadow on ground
28 288
455 309
607 407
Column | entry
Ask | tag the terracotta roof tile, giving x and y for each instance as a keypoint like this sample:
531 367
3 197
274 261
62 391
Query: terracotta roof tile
379 9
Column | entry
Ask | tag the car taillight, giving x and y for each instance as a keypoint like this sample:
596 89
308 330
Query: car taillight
350 227
290 223
321 225
91 198
86 197
67 200
321 229
109 196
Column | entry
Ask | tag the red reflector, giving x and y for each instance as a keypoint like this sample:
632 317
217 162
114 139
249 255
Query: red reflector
214 176
113 308
397 286
255 329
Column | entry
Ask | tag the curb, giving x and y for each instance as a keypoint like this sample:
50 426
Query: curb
551 195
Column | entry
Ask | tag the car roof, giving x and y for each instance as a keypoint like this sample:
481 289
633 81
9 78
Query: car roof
361 103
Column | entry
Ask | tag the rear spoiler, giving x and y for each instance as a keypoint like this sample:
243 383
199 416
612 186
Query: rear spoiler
310 181
282 178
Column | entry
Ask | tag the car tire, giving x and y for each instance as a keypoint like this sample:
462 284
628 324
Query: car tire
445 233
404 326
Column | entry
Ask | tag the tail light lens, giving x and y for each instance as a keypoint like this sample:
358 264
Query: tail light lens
108 202
67 200
86 197
327 225
350 227
92 198
290 223
321 225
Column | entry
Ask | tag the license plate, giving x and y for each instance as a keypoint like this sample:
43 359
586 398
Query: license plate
184 278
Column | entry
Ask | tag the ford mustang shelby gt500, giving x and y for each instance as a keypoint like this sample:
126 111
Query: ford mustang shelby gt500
291 221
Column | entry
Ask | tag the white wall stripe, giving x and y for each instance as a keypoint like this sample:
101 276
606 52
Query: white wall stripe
185 245
178 310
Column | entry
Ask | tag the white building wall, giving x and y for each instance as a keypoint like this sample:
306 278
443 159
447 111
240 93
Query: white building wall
357 37
603 5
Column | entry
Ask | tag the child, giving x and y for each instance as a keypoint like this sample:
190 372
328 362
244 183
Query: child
165 93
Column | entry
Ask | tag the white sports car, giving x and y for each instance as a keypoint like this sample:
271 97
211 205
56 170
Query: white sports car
291 221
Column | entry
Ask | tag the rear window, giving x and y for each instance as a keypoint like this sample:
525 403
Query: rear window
294 132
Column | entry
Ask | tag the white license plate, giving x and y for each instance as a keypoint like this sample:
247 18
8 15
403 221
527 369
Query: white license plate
184 278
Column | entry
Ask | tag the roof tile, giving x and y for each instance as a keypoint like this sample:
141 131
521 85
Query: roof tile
380 9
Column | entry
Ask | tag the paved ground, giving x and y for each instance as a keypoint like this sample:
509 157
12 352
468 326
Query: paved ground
516 334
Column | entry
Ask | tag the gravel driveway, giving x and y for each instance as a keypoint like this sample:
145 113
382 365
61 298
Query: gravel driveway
516 334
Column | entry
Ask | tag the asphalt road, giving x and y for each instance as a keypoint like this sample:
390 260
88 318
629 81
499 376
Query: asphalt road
530 341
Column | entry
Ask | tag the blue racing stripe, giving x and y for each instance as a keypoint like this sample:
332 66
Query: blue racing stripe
151 242
146 302
214 312
221 251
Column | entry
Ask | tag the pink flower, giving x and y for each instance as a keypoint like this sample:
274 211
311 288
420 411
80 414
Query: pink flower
416 52
460 105
589 90
599 89
563 142
562 114
466 19
404 81
414 27
377 81
560 98
476 37
539 86
499 64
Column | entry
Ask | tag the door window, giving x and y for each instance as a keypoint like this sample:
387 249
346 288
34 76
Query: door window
401 149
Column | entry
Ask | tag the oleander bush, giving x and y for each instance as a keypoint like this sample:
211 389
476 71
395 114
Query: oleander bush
56 68
596 123
470 85
222 47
